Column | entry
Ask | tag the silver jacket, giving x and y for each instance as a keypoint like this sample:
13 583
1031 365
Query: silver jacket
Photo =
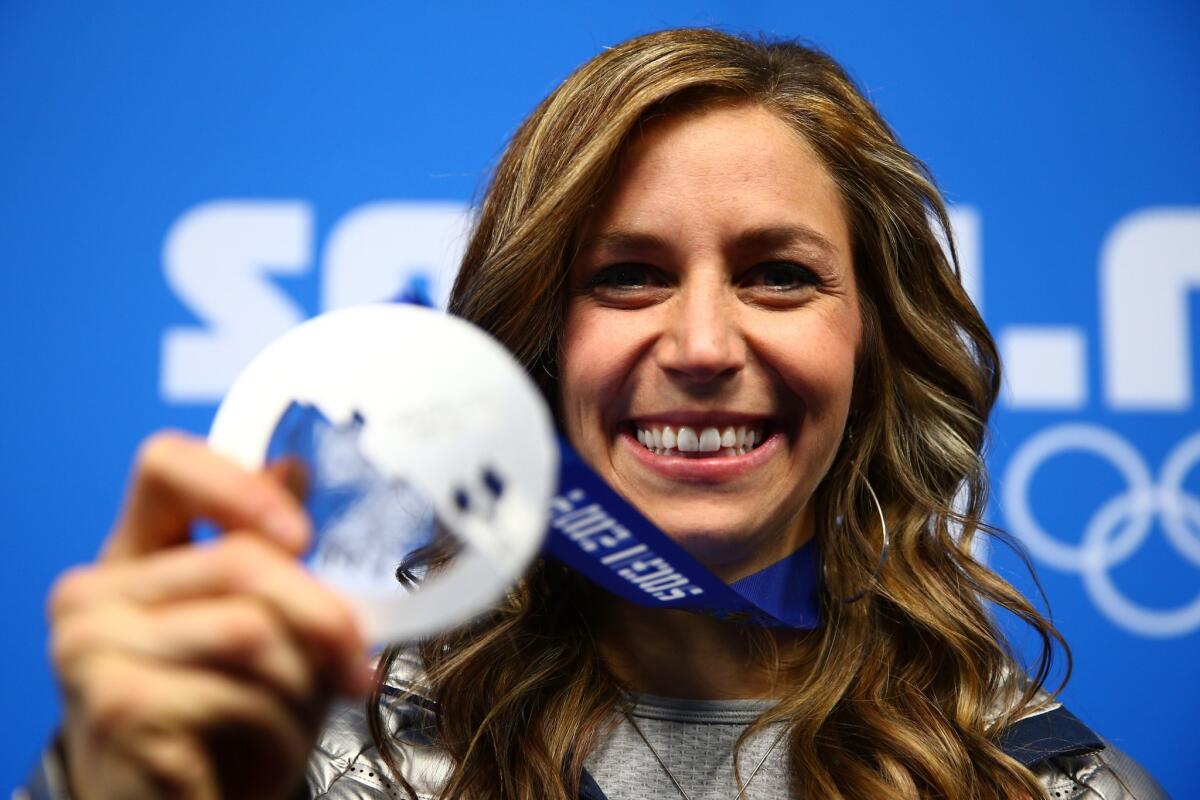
1070 760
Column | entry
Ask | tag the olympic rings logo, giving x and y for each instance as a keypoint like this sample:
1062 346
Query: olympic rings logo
1119 527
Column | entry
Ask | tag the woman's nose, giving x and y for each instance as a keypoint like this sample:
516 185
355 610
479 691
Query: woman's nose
702 341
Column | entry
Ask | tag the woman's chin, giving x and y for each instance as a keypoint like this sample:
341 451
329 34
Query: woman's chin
728 554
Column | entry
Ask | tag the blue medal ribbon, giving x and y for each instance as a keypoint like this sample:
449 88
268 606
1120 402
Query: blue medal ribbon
599 534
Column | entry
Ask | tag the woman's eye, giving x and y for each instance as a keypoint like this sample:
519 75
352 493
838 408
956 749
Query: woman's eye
623 277
781 276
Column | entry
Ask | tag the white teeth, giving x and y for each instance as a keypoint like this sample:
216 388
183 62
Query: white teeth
686 440
668 440
668 437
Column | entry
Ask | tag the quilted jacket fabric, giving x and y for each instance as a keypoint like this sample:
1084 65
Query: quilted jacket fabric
1068 758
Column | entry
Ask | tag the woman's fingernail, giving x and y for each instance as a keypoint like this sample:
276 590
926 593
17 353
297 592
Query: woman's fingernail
290 530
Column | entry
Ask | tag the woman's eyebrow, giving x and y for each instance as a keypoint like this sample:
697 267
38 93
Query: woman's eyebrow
622 239
775 237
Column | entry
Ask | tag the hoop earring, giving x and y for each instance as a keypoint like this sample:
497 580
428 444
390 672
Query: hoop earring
882 552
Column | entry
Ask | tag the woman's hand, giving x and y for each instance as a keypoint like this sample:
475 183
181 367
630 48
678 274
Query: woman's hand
198 671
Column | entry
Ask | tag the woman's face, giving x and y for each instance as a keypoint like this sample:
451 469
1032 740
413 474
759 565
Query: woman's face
711 332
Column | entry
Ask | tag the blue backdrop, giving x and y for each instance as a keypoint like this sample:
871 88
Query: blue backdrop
179 182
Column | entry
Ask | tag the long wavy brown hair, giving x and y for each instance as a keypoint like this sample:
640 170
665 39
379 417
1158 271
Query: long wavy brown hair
904 692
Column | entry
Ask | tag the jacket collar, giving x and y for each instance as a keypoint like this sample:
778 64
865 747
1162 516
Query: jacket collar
1048 734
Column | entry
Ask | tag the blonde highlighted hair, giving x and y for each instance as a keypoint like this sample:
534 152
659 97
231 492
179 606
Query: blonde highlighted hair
904 692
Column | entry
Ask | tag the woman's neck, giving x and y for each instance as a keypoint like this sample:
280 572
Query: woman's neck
681 654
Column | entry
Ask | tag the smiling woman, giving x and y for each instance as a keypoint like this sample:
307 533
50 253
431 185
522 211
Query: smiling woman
714 295
727 276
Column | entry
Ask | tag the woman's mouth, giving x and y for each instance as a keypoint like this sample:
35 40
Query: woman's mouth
710 451
699 441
